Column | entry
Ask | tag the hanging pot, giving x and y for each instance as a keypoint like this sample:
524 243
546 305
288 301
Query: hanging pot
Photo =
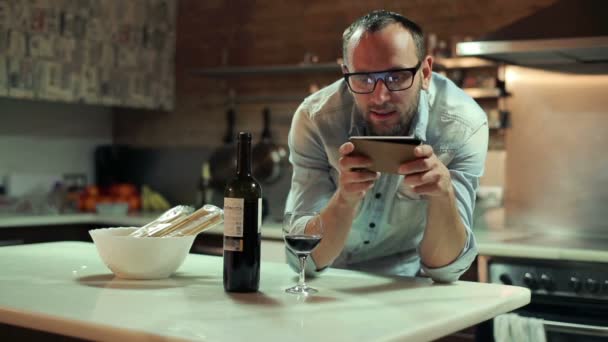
268 156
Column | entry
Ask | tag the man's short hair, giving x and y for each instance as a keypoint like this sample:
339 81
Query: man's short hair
379 19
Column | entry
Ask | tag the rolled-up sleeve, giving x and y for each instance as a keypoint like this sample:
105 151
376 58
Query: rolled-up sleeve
466 168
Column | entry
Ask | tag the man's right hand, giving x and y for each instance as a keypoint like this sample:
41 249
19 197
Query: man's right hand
355 179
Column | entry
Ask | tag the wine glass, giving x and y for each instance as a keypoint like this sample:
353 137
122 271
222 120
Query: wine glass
302 232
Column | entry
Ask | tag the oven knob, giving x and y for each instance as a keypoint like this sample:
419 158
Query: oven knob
505 279
575 284
546 282
530 281
592 285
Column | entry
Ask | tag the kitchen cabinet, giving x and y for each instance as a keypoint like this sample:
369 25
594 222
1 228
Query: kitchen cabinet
484 81
468 334
18 230
80 52
48 233
28 229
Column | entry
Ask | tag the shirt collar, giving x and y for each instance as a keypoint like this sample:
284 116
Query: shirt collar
420 121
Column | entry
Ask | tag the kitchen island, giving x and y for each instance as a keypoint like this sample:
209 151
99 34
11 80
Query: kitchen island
64 288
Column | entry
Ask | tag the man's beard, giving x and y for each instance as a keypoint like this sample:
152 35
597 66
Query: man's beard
405 120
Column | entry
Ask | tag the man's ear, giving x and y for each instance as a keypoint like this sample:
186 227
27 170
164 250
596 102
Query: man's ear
426 71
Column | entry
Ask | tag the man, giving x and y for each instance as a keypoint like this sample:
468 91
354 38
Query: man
417 221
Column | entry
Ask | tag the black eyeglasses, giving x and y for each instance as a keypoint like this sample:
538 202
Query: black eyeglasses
394 79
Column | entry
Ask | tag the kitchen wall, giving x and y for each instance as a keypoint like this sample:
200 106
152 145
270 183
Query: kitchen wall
51 138
556 176
57 55
218 33
213 34
240 33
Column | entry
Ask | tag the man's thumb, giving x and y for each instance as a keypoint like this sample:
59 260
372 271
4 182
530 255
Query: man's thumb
346 148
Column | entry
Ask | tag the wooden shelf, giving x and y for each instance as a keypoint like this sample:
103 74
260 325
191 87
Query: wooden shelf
295 98
483 93
260 99
267 70
463 63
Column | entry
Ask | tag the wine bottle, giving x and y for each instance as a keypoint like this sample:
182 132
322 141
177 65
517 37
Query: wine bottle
204 194
242 224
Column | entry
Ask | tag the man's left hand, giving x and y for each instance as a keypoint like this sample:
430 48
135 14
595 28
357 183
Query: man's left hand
427 175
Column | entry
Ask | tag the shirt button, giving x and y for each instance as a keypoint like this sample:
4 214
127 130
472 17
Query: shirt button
378 195
366 242
372 225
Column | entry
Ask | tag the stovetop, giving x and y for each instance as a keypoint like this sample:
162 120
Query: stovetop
553 278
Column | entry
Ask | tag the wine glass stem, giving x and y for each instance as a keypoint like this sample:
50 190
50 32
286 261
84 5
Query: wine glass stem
302 269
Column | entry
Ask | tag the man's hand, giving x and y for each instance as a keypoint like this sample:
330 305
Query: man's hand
341 210
355 180
427 175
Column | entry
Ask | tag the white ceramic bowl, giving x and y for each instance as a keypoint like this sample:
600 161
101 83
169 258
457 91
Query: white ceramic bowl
140 258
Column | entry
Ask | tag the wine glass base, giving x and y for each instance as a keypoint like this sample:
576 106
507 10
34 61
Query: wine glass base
301 289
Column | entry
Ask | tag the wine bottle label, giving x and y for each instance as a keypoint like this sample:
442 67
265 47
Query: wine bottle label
233 244
259 215
233 216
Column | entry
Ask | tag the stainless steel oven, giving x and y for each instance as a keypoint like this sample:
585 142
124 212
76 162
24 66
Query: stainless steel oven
571 297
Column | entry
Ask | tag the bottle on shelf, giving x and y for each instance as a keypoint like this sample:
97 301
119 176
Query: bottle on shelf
204 193
442 50
242 224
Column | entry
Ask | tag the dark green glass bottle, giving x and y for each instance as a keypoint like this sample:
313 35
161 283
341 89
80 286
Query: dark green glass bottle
242 224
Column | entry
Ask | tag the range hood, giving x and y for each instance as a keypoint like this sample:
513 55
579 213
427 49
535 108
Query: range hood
565 33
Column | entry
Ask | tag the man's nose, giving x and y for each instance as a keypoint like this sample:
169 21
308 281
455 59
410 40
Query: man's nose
381 94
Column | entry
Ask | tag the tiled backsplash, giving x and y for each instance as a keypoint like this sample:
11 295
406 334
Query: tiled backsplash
51 138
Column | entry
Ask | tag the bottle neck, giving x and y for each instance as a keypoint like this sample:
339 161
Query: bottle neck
243 161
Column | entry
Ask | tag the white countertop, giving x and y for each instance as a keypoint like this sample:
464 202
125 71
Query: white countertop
64 288
496 239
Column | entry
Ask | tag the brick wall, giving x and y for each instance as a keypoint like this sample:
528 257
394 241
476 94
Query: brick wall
213 33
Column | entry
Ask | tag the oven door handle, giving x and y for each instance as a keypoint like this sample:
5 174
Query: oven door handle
575 328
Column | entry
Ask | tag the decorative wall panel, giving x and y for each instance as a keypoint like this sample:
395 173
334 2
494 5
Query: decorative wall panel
109 52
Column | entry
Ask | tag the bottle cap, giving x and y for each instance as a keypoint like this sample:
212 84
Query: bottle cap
245 136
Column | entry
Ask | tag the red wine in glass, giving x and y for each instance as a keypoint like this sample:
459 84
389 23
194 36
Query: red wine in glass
301 243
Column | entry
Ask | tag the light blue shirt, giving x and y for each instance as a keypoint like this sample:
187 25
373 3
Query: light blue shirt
390 222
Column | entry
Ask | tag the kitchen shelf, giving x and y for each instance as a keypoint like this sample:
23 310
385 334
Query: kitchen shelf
484 93
267 70
261 99
463 63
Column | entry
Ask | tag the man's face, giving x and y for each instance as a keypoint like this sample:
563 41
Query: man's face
386 112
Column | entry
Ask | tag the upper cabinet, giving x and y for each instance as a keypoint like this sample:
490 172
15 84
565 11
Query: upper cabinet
110 52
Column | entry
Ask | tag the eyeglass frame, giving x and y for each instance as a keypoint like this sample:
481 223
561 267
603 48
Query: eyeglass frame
381 75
